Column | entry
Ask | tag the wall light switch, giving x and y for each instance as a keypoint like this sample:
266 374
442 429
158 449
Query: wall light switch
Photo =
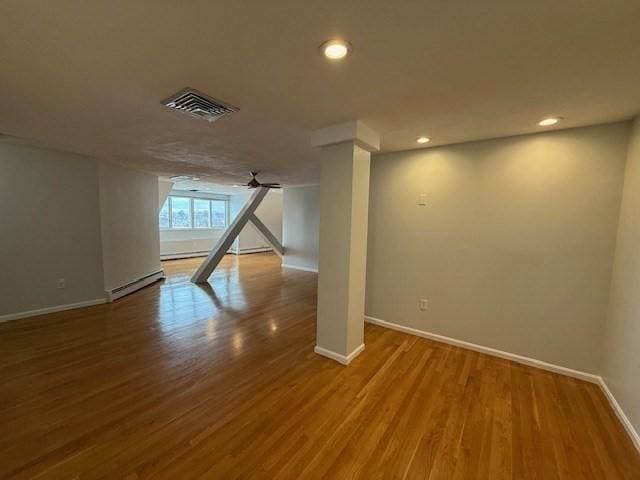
61 283
422 199
424 304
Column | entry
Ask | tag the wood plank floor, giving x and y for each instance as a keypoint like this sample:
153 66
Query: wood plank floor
179 381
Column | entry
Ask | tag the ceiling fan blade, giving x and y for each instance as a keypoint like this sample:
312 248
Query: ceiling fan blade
271 185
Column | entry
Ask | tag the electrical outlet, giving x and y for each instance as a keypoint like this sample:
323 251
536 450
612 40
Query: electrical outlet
61 283
424 304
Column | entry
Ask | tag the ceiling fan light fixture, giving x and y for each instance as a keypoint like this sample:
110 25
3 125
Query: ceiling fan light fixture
255 183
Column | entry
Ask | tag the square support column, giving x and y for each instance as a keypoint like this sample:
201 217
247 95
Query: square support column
344 212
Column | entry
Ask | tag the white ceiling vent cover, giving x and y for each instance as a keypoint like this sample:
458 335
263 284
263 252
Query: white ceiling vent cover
199 105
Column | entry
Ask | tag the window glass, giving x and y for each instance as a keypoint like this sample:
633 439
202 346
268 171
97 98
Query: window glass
180 212
164 215
186 212
219 213
201 213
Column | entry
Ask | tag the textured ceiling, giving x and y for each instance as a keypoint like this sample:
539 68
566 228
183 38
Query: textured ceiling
202 186
89 76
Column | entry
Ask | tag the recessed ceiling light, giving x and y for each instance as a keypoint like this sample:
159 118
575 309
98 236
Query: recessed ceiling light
335 49
423 140
180 178
195 178
547 122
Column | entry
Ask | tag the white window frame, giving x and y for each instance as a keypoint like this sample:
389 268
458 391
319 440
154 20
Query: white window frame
171 227
192 213
226 213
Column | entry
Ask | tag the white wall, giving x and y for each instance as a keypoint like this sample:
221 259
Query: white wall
65 216
269 211
164 188
50 229
621 359
190 241
301 223
129 219
514 248
175 242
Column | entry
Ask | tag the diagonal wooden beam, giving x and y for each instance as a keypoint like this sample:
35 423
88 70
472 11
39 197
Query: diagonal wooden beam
269 237
224 242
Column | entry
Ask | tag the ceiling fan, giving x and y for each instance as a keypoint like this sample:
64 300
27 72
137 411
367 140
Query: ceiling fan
254 183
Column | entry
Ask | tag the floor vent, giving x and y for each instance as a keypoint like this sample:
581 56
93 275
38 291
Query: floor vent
199 105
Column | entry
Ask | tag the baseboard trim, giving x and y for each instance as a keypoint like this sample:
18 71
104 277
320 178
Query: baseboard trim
250 250
121 291
178 256
343 359
56 308
532 362
295 267
589 377
626 423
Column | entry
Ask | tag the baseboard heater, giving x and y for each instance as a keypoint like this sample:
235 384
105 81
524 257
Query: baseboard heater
180 256
247 251
184 255
131 287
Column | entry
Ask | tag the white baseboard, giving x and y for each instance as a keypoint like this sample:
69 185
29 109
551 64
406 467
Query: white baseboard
246 251
56 308
178 256
304 269
343 359
626 423
532 362
121 291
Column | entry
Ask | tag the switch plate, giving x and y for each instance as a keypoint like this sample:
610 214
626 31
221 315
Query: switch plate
61 283
422 199
424 304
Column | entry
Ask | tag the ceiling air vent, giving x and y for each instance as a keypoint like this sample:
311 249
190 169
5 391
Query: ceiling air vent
199 105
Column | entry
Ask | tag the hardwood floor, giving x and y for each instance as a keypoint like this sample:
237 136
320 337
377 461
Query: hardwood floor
179 381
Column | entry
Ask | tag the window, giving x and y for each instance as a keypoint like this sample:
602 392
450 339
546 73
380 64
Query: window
187 213
201 213
219 213
180 212
164 216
